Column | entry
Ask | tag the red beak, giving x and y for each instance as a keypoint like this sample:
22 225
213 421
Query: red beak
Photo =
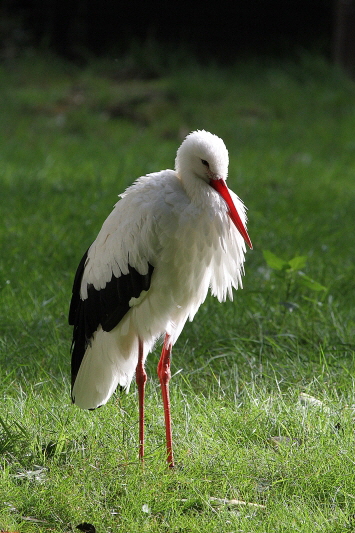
220 186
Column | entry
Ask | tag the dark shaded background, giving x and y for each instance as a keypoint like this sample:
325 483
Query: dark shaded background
224 29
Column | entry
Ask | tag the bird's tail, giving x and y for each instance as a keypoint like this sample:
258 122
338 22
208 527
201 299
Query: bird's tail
110 360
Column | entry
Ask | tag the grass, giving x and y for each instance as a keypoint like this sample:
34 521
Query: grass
244 428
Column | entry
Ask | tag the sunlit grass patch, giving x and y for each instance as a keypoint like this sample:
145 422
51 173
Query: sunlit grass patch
263 387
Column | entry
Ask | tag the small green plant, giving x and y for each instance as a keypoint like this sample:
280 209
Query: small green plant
290 272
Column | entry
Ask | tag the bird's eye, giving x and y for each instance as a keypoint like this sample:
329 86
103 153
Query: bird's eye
204 162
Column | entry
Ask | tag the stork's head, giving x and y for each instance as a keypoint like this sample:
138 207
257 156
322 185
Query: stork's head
204 156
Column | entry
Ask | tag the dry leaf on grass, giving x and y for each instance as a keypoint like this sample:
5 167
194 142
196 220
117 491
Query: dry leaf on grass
308 400
224 501
278 442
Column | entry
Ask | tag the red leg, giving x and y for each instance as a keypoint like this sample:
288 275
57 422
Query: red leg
164 378
141 378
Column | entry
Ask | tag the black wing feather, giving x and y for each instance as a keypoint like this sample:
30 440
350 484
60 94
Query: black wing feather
105 307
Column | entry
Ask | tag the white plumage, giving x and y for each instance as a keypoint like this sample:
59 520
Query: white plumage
179 235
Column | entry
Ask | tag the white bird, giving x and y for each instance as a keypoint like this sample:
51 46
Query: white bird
172 236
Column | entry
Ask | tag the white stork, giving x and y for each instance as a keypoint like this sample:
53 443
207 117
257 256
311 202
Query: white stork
173 235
